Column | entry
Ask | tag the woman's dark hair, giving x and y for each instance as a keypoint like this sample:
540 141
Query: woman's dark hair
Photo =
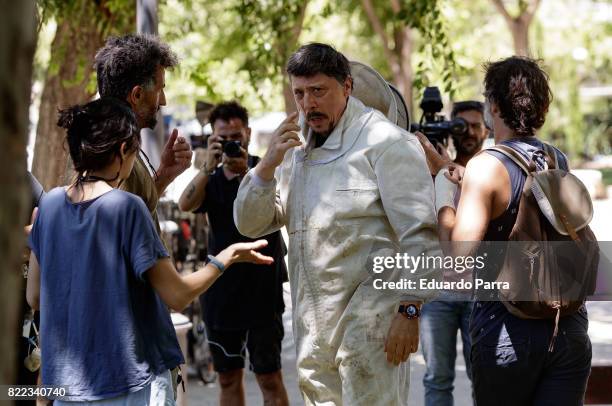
314 58
519 88
95 132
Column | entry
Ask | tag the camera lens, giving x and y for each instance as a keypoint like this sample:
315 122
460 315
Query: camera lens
232 149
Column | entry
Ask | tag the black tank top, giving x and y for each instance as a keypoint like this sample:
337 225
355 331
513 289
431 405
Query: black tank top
499 228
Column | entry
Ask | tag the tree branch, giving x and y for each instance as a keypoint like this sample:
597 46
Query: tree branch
396 6
297 28
499 5
531 10
379 29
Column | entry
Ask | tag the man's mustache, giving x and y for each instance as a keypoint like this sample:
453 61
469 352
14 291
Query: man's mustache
315 114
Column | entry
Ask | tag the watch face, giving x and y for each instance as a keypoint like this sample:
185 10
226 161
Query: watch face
411 310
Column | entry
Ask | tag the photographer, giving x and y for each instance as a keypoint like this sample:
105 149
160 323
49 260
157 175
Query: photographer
442 318
244 308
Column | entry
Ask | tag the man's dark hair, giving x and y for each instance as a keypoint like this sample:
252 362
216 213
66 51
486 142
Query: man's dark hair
519 88
314 58
227 110
468 105
96 130
128 61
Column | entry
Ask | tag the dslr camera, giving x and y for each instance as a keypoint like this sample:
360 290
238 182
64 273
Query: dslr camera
435 127
231 148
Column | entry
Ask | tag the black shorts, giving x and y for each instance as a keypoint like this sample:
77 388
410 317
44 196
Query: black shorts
229 347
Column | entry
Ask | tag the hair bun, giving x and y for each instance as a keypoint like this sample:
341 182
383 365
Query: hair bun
67 117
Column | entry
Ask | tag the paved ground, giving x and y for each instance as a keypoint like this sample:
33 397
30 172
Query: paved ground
600 331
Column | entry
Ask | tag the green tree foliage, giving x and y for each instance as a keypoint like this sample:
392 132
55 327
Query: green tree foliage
434 48
251 39
237 49
571 38
406 34
82 26
83 18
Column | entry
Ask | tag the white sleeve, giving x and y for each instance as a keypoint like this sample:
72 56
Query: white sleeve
257 208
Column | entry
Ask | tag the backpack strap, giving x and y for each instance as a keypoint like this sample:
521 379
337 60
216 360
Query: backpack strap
552 154
517 158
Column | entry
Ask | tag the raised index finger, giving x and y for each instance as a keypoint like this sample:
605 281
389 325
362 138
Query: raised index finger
171 139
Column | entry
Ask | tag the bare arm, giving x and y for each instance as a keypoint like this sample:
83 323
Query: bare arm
195 193
33 283
485 194
178 291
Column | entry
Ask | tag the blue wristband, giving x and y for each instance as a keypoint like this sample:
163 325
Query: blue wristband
216 263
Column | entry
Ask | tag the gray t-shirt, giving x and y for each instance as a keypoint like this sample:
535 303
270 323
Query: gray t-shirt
104 330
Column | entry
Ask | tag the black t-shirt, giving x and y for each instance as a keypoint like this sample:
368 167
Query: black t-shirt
246 295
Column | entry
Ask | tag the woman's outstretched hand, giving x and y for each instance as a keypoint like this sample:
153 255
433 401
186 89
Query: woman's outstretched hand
247 252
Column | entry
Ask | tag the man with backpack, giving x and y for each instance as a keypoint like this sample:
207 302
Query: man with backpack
525 351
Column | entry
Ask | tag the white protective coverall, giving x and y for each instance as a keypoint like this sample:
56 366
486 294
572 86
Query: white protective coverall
365 192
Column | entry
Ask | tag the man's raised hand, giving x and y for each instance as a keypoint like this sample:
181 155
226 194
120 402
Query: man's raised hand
284 138
175 159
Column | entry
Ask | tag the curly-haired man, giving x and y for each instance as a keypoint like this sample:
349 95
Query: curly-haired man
132 68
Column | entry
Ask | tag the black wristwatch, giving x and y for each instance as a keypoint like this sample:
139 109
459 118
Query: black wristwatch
409 311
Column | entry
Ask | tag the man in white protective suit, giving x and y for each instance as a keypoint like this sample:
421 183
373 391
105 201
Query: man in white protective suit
351 187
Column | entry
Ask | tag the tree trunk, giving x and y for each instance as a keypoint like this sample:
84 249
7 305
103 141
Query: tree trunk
287 48
399 54
66 83
520 37
404 78
519 25
17 45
